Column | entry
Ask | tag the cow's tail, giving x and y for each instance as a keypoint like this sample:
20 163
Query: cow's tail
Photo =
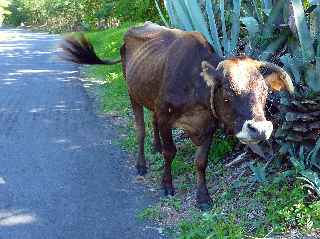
80 50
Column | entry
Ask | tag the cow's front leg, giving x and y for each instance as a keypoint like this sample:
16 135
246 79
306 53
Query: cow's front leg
204 200
168 151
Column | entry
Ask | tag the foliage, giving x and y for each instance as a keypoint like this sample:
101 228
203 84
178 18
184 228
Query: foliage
287 207
138 10
303 54
210 225
303 165
150 213
4 4
190 15
74 15
157 212
59 15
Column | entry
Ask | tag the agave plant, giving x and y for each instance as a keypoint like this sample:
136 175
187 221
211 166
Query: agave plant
267 32
292 30
301 118
303 163
222 25
191 15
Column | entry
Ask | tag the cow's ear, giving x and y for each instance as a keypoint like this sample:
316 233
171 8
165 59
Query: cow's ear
209 74
276 78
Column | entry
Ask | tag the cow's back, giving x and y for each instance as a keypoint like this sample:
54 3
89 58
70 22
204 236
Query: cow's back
146 50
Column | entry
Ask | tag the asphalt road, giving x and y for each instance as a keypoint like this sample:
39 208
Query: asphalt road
61 175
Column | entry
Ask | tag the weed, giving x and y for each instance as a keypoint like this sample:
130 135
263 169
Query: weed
150 213
287 207
210 225
172 202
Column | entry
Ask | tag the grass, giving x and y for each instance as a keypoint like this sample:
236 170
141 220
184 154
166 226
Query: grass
247 200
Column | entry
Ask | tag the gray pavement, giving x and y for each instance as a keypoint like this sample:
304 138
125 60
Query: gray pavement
60 174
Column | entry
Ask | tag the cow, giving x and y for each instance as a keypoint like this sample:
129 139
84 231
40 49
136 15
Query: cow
177 76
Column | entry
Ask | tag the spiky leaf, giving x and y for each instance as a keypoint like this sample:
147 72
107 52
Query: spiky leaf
252 25
303 31
213 28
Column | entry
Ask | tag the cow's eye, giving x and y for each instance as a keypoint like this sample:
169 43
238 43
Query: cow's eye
226 100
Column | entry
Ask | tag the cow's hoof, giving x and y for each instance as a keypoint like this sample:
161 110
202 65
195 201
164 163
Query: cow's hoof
205 206
142 170
168 191
204 201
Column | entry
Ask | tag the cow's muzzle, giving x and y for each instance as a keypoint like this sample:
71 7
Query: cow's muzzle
253 132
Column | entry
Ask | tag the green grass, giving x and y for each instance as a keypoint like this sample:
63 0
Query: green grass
107 44
243 205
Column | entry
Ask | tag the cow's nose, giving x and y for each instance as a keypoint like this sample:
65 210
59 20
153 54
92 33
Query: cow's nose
255 131
252 128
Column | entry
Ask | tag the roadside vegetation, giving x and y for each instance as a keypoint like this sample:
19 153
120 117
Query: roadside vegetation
70 15
249 199
253 197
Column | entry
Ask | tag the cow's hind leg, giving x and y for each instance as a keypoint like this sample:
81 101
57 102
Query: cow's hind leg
168 151
204 200
140 128
157 147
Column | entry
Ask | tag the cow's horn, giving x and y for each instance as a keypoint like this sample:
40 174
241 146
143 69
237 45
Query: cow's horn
284 76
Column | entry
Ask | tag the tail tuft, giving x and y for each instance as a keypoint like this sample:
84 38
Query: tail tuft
81 51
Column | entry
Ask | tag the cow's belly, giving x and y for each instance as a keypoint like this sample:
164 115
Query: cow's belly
144 75
144 92
197 123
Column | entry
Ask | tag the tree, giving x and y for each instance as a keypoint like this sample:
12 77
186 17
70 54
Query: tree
4 4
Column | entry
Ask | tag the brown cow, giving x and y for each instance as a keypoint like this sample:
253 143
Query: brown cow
162 68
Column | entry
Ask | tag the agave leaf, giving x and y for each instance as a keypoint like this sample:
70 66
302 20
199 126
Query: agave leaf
267 6
235 29
286 13
290 65
160 13
257 11
274 46
295 52
313 155
301 153
170 9
273 16
252 25
314 2
311 79
315 23
197 18
259 173
303 31
181 11
298 165
213 28
317 73
284 149
312 178
225 41
310 186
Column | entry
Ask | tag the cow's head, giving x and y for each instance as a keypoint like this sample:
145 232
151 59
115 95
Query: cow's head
239 90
